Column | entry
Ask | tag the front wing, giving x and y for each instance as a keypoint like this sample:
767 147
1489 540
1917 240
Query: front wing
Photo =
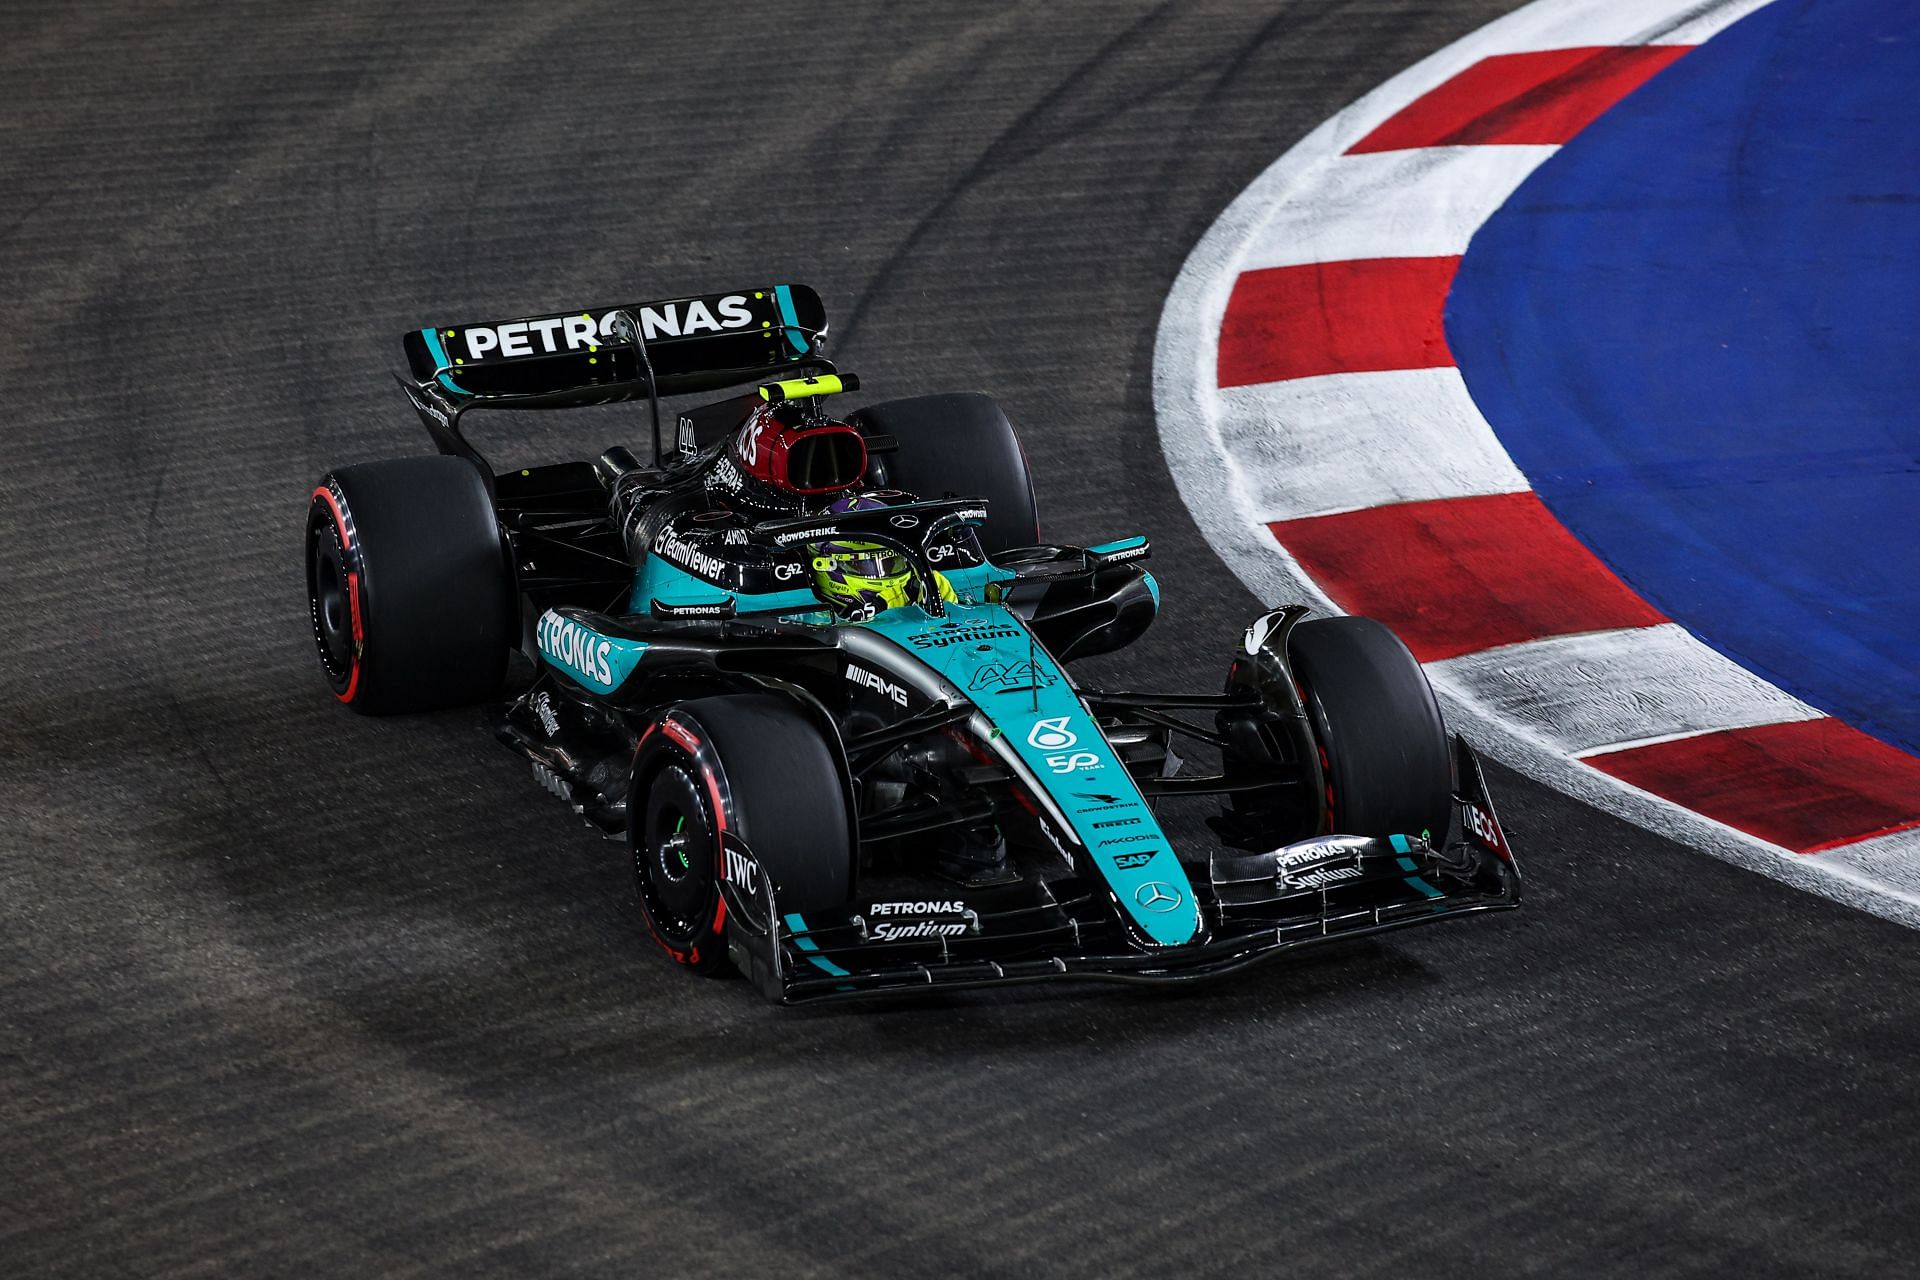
1253 906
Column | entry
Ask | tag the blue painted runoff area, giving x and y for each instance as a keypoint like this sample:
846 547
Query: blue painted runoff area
1697 330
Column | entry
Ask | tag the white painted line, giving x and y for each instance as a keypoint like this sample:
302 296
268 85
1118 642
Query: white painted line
1421 203
1892 860
1604 690
1340 442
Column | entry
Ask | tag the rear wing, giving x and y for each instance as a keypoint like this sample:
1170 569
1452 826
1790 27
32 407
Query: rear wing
588 356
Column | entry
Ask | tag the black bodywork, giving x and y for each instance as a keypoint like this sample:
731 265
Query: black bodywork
922 765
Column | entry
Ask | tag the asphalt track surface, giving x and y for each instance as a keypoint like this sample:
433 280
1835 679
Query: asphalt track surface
287 991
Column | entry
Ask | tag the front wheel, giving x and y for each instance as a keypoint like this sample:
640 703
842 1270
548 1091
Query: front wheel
1383 745
749 765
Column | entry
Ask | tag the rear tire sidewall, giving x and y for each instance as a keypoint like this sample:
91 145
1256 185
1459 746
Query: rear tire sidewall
764 773
963 444
408 552
1384 747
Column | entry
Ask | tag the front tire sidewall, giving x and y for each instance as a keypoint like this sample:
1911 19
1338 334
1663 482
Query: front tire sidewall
766 780
1383 743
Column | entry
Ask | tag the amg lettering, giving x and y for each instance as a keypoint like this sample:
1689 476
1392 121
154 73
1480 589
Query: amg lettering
868 680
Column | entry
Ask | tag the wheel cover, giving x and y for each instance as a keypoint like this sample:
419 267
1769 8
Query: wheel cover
330 598
675 856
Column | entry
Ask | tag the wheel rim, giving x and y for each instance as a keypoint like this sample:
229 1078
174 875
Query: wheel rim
674 855
329 595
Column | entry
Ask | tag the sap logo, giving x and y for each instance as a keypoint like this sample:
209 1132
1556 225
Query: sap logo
741 871
1013 676
868 680
575 648
671 546
1133 861
583 333
1116 822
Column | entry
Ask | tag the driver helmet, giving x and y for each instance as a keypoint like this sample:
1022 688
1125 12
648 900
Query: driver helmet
866 577
789 452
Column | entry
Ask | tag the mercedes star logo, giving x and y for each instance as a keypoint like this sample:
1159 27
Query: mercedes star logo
1155 896
904 522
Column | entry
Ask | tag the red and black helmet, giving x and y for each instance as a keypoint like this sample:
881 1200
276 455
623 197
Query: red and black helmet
793 449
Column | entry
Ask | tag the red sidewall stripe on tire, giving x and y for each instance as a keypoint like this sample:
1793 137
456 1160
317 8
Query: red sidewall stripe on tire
325 494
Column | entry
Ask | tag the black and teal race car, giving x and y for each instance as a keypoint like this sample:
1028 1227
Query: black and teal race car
842 804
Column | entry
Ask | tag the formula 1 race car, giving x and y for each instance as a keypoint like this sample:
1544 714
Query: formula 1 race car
811 668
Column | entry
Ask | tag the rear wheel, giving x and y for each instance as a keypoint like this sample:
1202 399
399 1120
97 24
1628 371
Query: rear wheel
1383 744
960 444
408 585
749 765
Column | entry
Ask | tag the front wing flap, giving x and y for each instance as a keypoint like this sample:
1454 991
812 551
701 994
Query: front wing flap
1253 906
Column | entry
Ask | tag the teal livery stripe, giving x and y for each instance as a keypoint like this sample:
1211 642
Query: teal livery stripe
783 296
1403 846
798 925
1030 709
440 360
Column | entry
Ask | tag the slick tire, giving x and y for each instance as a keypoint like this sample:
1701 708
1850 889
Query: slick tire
1383 744
960 444
408 585
752 765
